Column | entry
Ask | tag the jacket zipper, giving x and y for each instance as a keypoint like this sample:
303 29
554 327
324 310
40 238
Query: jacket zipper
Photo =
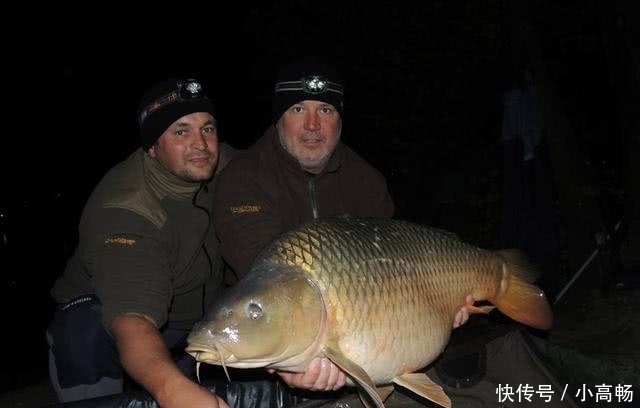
312 197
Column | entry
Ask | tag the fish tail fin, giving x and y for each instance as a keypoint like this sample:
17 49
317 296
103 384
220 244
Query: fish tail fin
518 296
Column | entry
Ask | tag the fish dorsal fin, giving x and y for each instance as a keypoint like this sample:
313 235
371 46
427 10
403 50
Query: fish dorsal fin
422 385
358 375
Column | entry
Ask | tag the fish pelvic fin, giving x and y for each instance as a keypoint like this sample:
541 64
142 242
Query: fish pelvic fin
424 386
384 391
518 296
367 389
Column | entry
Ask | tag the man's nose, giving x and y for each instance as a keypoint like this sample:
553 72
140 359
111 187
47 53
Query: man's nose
200 142
312 121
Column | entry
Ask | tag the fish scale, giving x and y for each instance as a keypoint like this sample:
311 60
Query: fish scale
364 252
376 296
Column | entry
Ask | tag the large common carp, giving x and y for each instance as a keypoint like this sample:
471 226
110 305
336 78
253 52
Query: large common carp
377 297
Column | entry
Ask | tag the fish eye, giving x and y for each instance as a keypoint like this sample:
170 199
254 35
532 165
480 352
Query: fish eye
254 311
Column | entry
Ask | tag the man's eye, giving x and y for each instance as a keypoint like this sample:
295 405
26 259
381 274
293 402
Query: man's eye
180 132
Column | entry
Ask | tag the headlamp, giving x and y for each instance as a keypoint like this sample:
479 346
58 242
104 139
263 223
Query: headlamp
312 84
187 90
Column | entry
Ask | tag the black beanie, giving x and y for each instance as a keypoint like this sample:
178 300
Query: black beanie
308 79
167 101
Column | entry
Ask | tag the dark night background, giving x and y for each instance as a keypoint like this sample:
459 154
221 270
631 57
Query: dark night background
424 87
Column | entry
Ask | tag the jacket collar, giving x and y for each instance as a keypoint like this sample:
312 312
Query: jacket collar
164 183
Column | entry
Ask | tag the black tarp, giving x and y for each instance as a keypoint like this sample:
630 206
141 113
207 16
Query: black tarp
548 375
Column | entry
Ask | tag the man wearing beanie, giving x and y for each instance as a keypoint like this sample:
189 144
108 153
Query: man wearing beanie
147 261
298 170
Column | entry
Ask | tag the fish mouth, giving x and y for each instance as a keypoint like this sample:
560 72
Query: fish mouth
210 355
215 355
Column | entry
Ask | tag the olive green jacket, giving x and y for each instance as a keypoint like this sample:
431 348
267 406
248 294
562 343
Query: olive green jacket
147 244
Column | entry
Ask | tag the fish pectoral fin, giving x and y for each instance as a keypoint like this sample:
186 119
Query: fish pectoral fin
422 385
368 392
384 391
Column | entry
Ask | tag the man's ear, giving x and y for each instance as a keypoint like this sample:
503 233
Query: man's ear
152 151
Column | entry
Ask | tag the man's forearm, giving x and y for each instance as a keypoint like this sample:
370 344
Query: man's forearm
144 355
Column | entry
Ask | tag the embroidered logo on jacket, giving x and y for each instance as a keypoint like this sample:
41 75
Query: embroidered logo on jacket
241 209
120 241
